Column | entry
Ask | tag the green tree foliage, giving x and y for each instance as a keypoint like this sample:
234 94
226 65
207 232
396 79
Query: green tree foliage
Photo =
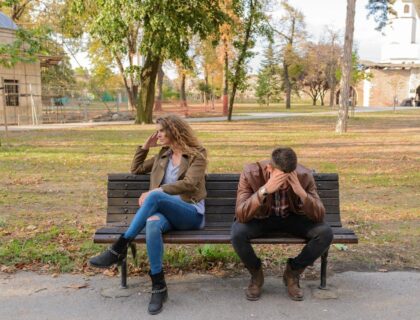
59 78
269 81
357 74
380 10
166 30
18 10
253 23
114 28
26 47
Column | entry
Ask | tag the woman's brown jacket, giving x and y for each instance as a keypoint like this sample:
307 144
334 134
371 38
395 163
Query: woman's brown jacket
191 185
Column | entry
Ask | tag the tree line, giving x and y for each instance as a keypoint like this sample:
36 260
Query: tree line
216 37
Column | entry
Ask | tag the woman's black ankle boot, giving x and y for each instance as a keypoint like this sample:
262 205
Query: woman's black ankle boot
159 293
114 254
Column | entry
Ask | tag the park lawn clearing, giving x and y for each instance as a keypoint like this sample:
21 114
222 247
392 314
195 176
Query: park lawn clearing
53 189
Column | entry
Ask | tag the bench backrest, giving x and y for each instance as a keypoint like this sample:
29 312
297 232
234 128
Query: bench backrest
125 189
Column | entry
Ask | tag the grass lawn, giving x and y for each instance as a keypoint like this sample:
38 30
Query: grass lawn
53 188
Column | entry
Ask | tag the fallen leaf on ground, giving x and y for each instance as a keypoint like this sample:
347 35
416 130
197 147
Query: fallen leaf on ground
341 247
110 272
40 289
77 286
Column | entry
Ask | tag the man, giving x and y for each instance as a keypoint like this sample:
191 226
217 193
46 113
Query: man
279 195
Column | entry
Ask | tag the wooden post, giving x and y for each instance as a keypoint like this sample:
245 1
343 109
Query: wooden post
4 111
33 108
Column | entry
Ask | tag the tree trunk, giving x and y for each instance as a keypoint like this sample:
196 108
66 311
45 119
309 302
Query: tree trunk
130 87
226 85
332 94
287 85
158 103
206 96
321 97
341 125
182 93
147 89
132 96
241 58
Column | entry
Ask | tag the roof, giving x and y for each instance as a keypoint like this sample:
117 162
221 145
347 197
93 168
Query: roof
7 23
371 64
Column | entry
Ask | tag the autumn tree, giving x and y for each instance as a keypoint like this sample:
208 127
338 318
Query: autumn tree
331 41
314 80
211 64
291 33
166 29
227 30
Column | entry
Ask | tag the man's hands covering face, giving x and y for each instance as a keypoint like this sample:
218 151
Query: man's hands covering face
296 186
278 179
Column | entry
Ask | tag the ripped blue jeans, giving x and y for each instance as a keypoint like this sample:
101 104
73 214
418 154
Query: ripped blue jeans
160 213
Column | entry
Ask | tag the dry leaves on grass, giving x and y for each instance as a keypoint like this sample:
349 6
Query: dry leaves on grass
25 181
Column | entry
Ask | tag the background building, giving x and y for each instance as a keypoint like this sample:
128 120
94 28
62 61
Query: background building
396 77
22 84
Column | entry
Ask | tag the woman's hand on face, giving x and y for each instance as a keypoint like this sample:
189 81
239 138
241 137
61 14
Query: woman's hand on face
152 141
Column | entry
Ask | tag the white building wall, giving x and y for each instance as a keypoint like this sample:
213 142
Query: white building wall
402 36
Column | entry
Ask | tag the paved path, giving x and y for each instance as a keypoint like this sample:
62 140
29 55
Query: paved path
245 116
352 296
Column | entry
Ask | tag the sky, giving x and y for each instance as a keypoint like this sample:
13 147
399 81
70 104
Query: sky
333 13
318 14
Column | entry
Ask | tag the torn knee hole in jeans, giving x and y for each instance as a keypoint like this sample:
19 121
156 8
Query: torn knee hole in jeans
153 218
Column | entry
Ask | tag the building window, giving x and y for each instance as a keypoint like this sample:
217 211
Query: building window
406 8
11 88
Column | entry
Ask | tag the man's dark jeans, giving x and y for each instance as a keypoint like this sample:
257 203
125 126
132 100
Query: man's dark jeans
319 237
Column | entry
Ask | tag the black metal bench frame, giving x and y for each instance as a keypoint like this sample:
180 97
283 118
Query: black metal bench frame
125 189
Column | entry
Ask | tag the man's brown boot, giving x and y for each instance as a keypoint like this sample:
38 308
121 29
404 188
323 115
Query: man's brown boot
291 281
253 292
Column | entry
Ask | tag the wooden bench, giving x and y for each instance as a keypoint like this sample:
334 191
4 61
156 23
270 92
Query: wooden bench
125 189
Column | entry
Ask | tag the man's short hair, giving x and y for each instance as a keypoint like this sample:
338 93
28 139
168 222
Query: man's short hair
284 158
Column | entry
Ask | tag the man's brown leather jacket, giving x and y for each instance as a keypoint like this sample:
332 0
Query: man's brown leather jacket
251 205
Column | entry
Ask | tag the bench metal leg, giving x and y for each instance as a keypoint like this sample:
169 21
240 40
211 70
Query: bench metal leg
124 266
124 273
134 253
324 262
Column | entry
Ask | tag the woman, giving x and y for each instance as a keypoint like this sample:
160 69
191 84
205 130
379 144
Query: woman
175 199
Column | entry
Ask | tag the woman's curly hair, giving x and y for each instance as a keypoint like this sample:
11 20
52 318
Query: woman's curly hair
181 134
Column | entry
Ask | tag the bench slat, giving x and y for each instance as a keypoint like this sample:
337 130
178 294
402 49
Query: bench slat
209 202
333 220
225 229
210 193
224 238
227 210
144 185
209 177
